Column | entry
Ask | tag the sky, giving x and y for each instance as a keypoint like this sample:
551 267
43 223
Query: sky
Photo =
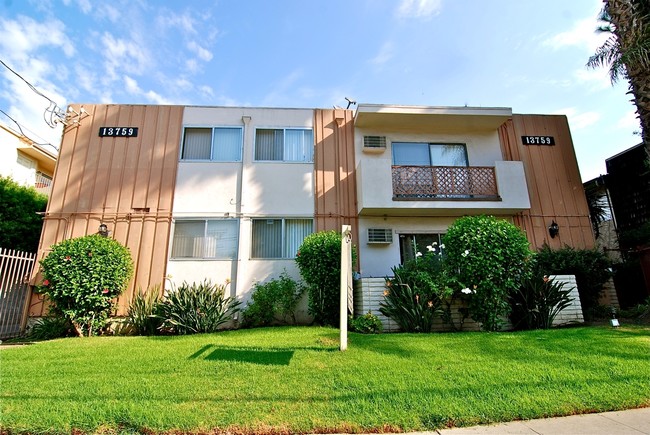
528 55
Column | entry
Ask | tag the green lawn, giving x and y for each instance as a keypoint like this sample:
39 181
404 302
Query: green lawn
295 379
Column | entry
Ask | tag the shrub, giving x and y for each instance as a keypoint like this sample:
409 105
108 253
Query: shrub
197 308
83 276
144 316
366 324
20 226
274 300
537 302
415 294
490 256
590 267
51 327
319 261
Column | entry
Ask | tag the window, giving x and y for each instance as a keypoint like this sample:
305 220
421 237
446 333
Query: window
216 239
285 145
220 144
279 238
411 244
429 154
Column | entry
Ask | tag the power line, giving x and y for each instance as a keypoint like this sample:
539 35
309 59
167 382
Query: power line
22 132
53 113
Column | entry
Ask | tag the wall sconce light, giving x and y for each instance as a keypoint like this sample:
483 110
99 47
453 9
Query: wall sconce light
553 229
103 230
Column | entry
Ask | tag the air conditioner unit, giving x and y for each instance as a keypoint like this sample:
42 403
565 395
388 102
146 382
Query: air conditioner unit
380 235
374 142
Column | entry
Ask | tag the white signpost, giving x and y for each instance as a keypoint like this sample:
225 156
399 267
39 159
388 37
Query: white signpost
346 283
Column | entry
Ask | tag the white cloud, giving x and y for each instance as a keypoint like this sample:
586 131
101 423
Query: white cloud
583 35
578 121
183 22
385 54
419 8
133 88
629 121
207 91
25 35
121 54
201 52
597 78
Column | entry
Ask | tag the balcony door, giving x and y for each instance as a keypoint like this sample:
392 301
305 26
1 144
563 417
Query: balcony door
429 154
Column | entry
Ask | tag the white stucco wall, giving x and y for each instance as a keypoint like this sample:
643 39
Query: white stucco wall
374 182
10 166
242 190
377 259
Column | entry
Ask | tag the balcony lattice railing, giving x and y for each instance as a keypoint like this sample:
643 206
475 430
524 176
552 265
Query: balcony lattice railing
43 183
444 182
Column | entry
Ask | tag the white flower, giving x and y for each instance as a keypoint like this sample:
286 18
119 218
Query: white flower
434 244
418 254
442 246
466 253
466 291
431 248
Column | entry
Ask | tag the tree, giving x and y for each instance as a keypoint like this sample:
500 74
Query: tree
627 52
20 226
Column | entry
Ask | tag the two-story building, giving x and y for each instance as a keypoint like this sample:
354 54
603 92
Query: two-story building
231 192
25 161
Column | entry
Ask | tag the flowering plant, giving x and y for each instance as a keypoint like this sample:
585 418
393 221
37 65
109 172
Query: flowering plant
83 276
490 255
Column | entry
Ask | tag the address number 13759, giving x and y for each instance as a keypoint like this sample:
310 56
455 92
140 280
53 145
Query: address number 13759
118 131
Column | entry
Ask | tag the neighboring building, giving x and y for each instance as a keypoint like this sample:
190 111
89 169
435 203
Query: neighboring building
626 191
628 181
25 161
231 192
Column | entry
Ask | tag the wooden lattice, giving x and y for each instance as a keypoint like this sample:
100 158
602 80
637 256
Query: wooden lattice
444 182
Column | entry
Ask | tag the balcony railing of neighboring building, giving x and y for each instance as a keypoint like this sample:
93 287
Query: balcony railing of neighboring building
444 183
43 183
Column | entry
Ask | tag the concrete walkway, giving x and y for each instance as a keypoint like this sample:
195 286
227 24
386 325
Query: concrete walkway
633 422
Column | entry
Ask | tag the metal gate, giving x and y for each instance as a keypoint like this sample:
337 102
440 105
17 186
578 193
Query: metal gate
15 270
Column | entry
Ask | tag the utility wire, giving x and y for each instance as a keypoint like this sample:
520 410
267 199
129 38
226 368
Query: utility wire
24 135
53 110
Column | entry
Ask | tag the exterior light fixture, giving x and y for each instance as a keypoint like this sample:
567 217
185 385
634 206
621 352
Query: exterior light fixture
103 230
553 229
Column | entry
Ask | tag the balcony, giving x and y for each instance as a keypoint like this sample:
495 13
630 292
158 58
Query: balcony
387 190
43 183
418 183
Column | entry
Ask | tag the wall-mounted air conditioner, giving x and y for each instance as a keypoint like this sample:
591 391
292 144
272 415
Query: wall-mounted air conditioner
374 144
380 235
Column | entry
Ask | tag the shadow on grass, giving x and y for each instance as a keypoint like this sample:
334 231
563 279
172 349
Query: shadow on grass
211 352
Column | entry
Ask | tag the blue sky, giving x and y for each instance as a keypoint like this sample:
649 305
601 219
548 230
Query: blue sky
529 55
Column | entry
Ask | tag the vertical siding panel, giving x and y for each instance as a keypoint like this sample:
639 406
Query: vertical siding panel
553 179
103 179
334 171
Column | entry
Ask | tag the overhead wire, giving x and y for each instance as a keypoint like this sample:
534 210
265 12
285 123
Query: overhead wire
22 132
55 113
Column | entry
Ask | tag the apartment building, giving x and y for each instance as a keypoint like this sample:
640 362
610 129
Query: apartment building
231 192
25 161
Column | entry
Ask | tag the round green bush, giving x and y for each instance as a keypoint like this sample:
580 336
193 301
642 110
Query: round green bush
491 257
319 261
83 276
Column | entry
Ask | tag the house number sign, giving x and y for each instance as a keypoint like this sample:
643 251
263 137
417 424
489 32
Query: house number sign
118 131
538 140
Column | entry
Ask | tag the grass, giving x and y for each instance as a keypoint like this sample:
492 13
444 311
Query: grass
277 380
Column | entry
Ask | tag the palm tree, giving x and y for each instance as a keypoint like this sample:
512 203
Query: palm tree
627 52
